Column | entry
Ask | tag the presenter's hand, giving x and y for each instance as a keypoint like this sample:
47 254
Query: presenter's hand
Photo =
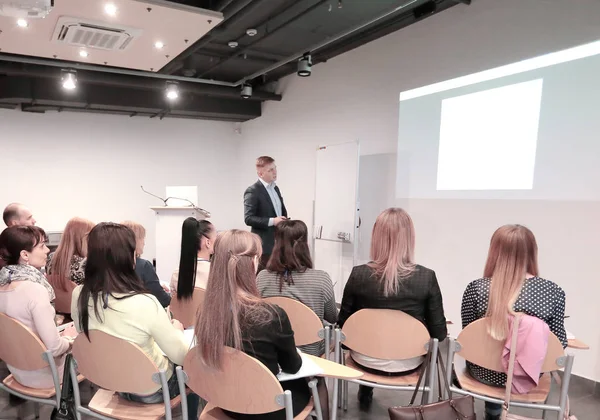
278 220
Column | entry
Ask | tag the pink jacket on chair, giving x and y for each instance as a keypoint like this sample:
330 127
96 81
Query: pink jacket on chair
532 345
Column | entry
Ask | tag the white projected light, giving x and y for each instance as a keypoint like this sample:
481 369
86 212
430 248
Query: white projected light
488 139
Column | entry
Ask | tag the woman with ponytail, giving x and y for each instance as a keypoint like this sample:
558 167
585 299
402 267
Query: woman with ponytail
197 246
511 284
235 315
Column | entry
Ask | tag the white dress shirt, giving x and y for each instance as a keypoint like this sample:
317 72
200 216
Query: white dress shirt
274 199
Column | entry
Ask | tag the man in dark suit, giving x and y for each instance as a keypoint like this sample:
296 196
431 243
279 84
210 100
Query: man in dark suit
263 206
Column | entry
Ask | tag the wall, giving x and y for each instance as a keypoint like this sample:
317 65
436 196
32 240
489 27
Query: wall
65 164
355 96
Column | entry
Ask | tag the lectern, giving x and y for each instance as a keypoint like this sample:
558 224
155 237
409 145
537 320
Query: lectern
168 237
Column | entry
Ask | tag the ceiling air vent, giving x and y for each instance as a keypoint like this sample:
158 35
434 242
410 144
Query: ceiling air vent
85 33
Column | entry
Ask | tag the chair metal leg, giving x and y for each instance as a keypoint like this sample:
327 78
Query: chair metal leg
336 382
345 391
564 388
36 410
316 400
432 370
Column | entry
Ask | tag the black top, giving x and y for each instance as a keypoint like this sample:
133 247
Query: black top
538 297
273 345
258 209
418 295
145 270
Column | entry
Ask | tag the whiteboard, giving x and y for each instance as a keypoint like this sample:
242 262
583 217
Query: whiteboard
336 212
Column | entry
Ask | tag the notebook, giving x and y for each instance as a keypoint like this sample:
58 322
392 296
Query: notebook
309 368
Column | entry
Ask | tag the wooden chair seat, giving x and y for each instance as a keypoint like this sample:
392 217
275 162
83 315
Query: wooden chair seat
536 395
11 382
404 380
211 412
46 393
110 404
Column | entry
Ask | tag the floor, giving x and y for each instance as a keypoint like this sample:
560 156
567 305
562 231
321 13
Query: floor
584 404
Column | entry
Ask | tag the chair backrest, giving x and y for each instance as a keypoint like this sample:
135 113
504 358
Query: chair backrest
113 363
478 347
305 323
185 311
385 334
62 303
19 346
244 385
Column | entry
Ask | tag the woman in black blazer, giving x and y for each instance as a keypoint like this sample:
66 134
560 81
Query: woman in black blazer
262 331
393 281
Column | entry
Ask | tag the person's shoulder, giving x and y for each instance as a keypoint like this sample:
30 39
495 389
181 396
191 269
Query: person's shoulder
424 271
253 187
144 301
33 289
546 284
479 284
144 263
363 269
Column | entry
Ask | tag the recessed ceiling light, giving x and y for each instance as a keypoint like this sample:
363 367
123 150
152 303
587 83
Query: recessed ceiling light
172 92
22 23
232 44
159 45
83 53
110 9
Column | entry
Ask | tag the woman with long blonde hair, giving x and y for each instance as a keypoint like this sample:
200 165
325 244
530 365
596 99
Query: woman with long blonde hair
511 284
67 264
235 315
392 280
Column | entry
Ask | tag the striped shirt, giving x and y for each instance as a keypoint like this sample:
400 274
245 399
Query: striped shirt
313 288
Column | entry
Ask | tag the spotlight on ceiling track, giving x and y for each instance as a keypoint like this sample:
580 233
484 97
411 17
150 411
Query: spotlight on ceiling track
172 91
69 79
246 92
305 65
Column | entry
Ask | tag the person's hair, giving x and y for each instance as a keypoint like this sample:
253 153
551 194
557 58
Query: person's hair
109 270
392 248
140 234
290 252
263 161
512 255
232 301
72 242
15 239
11 212
192 232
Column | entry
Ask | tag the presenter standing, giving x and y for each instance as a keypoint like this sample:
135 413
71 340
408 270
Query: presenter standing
263 206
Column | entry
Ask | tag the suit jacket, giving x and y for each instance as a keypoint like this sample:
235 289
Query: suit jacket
145 271
258 209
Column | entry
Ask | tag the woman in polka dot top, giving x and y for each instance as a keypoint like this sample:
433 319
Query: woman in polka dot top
511 284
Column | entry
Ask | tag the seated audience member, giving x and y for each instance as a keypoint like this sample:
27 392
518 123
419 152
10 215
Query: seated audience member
114 300
511 284
16 214
392 280
235 315
68 262
289 273
197 246
25 295
144 268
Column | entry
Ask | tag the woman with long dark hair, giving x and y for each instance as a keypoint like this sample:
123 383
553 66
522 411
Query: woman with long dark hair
113 299
235 315
290 273
26 296
197 246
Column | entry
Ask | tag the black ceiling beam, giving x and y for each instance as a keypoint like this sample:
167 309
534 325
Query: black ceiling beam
106 79
354 41
232 13
467 2
38 92
267 36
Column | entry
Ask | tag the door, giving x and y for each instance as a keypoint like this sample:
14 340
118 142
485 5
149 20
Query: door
336 212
